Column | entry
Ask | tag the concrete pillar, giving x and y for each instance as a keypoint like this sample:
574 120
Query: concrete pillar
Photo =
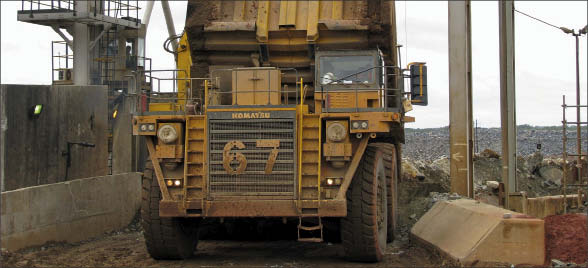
460 98
81 44
507 97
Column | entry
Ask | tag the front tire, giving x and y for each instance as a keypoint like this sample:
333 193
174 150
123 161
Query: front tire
364 230
165 238
391 157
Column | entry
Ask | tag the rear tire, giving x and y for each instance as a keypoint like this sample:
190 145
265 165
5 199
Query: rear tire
364 230
165 238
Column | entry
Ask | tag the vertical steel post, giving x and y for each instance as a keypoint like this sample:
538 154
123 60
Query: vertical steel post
460 98
169 21
3 128
565 152
578 108
147 14
507 97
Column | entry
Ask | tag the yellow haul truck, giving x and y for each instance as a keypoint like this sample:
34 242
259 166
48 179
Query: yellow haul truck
292 110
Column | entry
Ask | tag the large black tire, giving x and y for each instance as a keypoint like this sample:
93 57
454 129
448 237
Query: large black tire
364 230
390 162
165 238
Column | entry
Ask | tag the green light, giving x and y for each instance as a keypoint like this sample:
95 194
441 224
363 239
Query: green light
38 109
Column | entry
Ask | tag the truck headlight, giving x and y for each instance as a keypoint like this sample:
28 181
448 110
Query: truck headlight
361 124
336 132
167 134
147 127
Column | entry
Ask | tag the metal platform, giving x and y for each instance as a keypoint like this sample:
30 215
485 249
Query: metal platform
63 13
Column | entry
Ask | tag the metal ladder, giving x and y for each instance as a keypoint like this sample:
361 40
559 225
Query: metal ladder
195 158
309 178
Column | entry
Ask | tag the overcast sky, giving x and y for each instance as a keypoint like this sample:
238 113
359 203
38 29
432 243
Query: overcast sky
545 56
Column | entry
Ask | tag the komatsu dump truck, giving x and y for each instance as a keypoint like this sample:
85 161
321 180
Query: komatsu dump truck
292 110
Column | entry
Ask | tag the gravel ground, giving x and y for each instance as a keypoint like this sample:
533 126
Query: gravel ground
127 249
432 143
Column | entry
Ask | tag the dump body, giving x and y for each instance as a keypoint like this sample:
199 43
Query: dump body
285 34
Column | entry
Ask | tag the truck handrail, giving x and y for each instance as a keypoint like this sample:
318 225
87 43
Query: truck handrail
384 90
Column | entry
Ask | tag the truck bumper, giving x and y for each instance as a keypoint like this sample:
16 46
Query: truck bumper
251 208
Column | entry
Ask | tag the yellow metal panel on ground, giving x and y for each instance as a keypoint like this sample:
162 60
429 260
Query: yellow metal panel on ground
473 233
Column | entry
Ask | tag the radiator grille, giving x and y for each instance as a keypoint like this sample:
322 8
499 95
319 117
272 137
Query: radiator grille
253 181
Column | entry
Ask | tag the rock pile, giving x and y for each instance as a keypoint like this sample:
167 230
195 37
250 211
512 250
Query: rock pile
432 143
425 182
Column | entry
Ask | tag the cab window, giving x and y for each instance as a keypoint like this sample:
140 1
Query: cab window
340 70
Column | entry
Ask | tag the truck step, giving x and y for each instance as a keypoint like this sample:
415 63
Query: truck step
311 239
312 233
310 228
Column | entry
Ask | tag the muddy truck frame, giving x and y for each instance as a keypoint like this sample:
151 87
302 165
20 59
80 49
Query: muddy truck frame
279 111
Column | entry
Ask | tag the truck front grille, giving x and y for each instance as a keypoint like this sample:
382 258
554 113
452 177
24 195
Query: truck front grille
253 181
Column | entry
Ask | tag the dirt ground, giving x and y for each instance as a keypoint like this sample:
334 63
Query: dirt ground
126 249
565 237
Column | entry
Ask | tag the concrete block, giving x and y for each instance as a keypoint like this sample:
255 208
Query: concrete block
471 233
544 206
68 211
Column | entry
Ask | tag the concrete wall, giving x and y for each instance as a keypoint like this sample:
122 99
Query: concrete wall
32 149
68 211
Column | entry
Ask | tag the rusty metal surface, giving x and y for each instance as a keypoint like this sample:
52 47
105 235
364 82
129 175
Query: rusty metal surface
229 157
252 157
248 208
352 167
158 173
274 144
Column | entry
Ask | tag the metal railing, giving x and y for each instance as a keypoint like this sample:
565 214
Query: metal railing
61 62
164 88
55 5
121 9
385 94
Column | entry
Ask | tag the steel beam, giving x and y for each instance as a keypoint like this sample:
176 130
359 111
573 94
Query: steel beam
460 98
147 14
507 97
169 21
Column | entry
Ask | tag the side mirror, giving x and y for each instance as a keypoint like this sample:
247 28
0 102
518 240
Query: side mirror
418 83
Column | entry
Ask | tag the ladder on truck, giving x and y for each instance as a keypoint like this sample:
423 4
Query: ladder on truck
310 227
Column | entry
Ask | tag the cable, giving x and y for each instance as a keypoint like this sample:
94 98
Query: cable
559 28
168 41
